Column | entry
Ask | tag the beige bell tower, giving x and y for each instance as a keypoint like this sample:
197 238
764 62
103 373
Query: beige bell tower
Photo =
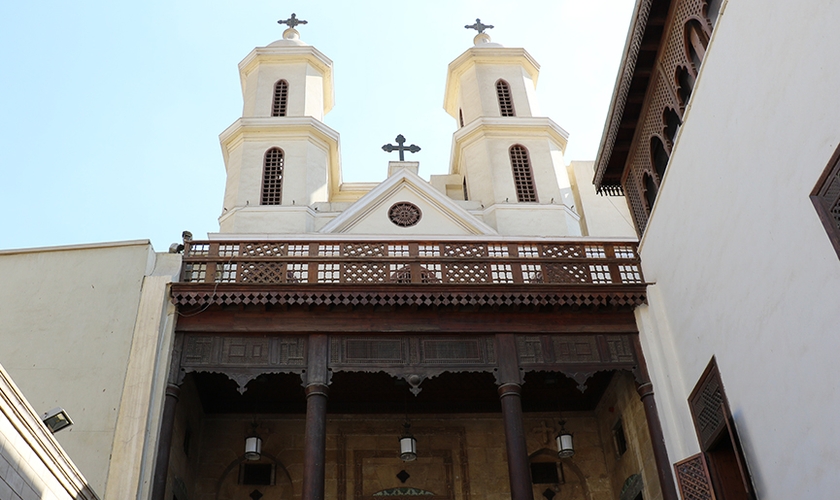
280 157
508 157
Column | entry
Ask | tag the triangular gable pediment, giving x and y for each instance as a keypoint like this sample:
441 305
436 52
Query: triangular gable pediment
438 214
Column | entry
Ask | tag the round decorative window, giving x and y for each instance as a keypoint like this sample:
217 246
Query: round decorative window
404 214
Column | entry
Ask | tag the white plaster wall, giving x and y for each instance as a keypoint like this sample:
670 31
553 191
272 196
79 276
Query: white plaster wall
279 219
529 219
521 88
432 221
600 215
490 176
66 327
32 464
743 267
305 165
306 89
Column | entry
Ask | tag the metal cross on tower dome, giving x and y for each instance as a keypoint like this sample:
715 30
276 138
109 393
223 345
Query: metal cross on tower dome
292 21
400 147
478 26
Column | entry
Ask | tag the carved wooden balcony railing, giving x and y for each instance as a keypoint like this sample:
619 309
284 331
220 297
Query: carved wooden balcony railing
426 265
409 262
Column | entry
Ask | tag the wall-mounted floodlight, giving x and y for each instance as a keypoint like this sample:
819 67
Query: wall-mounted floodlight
56 419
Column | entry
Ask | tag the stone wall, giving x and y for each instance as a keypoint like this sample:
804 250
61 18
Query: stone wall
460 457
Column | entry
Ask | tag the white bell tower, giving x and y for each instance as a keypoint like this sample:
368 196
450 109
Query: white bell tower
509 158
280 157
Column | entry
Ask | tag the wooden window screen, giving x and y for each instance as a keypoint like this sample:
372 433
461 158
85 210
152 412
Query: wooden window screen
505 99
693 478
722 453
826 199
523 177
281 95
272 184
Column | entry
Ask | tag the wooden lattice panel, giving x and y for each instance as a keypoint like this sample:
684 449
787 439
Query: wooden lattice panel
663 91
464 250
366 273
826 199
566 273
467 273
364 249
708 407
263 272
693 479
563 251
263 249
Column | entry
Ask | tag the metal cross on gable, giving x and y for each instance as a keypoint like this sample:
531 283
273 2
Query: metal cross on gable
400 147
479 26
292 21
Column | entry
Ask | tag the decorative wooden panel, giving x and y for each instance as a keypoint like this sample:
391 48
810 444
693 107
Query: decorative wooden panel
412 351
826 199
708 406
693 478
243 351
535 350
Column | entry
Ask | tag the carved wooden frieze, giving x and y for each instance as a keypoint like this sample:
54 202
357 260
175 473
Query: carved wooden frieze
202 351
535 350
407 350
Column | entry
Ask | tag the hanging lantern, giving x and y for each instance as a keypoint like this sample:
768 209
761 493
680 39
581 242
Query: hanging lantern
565 444
253 444
408 445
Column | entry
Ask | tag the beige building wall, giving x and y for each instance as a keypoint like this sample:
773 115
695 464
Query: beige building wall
32 463
73 320
743 268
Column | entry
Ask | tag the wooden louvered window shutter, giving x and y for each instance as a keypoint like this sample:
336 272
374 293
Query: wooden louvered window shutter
272 182
523 176
693 478
826 199
505 98
721 450
281 95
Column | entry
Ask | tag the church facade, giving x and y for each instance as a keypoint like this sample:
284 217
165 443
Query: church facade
496 332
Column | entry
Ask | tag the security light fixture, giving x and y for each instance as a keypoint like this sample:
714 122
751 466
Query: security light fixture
56 419
408 445
565 444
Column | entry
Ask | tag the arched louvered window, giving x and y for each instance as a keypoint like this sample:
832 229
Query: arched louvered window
281 95
696 42
505 98
461 117
650 190
659 156
523 177
685 84
713 11
272 182
672 124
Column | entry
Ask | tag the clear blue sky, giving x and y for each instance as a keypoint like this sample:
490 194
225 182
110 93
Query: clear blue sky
111 111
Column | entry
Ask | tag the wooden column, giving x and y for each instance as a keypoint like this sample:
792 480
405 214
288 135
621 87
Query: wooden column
315 438
657 437
510 389
167 428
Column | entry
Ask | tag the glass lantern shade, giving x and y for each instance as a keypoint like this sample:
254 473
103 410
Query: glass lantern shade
408 448
565 445
253 448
